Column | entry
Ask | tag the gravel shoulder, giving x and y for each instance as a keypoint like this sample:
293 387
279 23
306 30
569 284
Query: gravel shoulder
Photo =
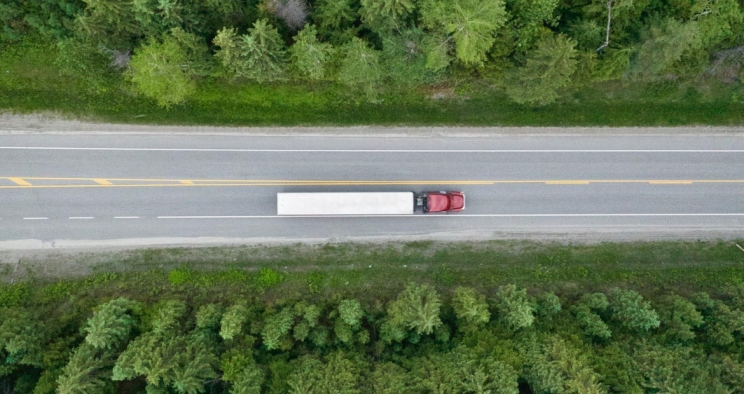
56 124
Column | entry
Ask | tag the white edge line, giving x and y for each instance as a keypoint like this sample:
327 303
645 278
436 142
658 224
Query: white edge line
380 150
460 215
36 218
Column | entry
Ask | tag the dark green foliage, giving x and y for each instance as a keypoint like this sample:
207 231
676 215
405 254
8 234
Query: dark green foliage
588 311
679 318
548 68
360 69
389 53
232 336
632 311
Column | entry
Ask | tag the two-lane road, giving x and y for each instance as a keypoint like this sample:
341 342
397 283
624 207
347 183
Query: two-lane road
67 190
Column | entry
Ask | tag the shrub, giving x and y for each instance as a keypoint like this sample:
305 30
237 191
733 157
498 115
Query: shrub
268 277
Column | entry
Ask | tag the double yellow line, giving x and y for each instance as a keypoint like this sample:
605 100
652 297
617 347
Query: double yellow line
16 182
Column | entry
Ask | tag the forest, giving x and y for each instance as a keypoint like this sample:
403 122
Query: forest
483 318
532 51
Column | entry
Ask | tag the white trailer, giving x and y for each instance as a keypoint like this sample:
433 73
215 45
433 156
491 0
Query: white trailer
298 204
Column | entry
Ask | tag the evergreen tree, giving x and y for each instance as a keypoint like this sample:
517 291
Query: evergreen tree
360 69
232 321
88 371
629 308
471 23
667 42
110 324
275 330
209 317
385 15
548 68
548 305
679 318
389 378
416 308
309 57
586 312
240 369
513 308
335 20
471 308
258 55
22 340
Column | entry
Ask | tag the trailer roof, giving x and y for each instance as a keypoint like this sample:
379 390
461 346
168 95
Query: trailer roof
397 203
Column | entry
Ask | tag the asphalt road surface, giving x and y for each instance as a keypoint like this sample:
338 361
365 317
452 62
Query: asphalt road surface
84 190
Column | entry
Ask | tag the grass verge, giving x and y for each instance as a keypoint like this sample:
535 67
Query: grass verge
29 82
374 272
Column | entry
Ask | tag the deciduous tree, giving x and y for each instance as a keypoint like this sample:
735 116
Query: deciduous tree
160 70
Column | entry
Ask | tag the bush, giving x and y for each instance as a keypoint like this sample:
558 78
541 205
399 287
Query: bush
180 276
268 277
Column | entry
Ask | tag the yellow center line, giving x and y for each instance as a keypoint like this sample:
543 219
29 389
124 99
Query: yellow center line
186 182
567 182
670 182
19 181
102 181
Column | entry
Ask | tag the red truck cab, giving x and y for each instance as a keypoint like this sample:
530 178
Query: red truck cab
443 201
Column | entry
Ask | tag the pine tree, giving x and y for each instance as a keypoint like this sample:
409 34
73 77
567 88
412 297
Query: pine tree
110 324
471 23
258 55
309 57
276 328
471 309
360 69
629 308
548 69
87 371
232 321
586 312
417 309
514 309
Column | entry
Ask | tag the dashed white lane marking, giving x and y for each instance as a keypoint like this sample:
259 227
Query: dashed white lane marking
126 217
537 215
377 150
36 218
81 217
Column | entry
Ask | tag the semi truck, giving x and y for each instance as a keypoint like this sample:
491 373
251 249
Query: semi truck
368 203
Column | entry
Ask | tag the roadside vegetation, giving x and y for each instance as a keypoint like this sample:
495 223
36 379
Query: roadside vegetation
499 317
473 62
